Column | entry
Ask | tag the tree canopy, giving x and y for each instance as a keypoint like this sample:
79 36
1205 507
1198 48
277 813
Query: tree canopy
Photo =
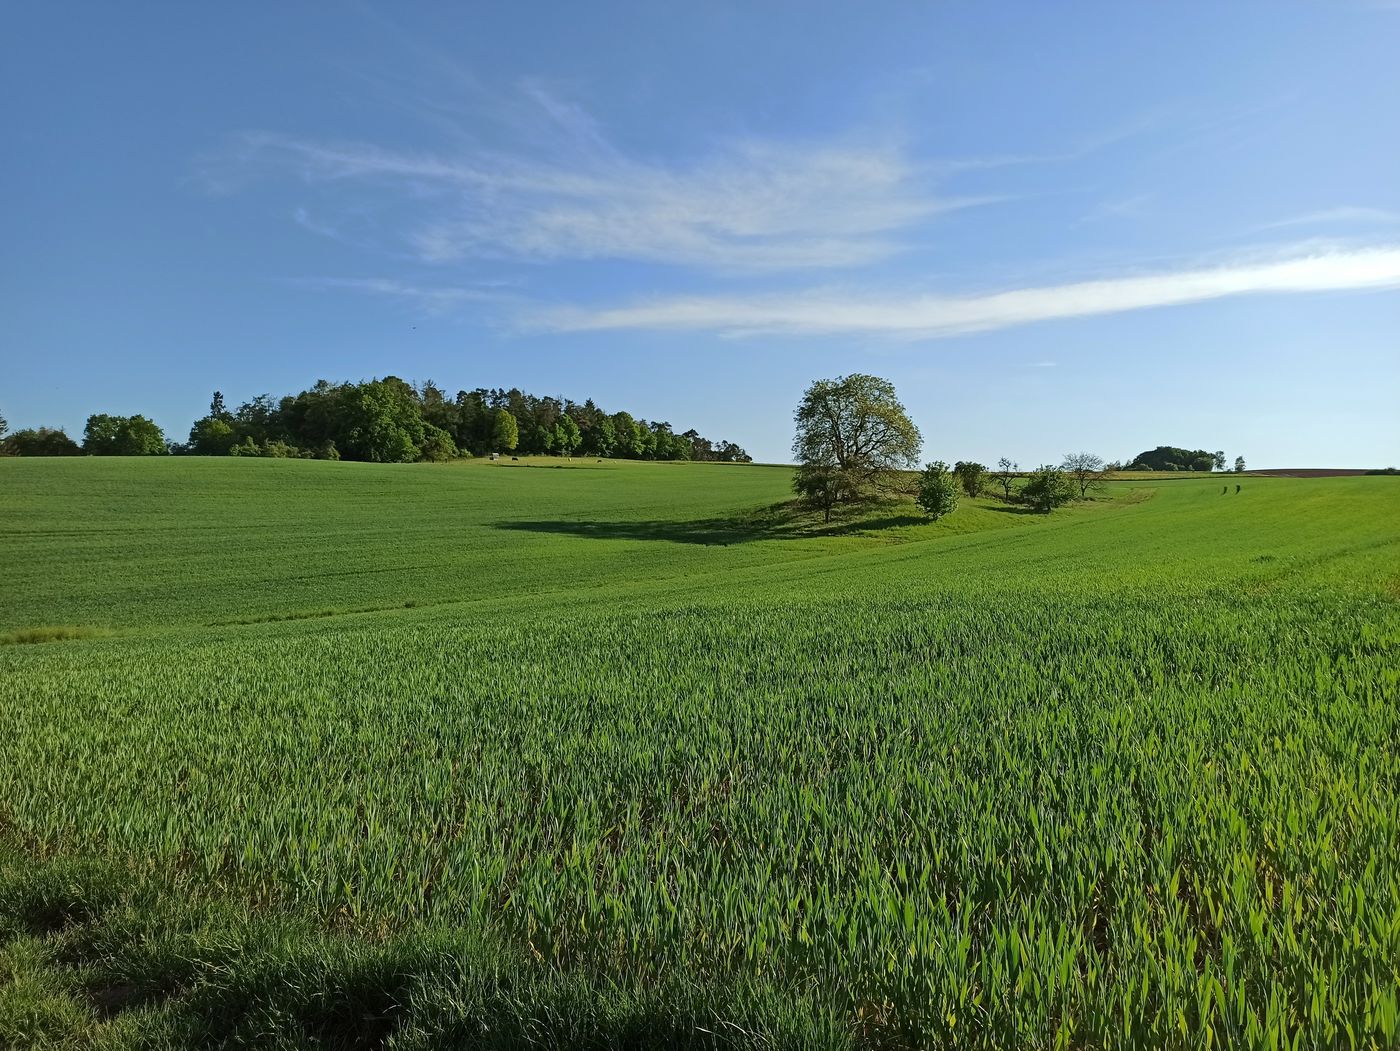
1047 488
39 441
1170 458
1086 470
106 435
938 490
390 421
853 433
971 475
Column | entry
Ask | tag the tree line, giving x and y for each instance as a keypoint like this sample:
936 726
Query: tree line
387 421
856 443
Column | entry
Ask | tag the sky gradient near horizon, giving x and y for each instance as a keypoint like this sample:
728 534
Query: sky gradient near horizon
1097 226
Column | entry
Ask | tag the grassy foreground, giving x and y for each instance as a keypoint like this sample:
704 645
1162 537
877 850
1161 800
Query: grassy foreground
315 754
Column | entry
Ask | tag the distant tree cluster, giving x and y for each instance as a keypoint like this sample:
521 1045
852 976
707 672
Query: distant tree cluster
103 435
387 421
106 435
391 421
1170 458
855 442
39 441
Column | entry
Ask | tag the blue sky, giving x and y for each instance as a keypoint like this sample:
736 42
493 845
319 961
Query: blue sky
1104 226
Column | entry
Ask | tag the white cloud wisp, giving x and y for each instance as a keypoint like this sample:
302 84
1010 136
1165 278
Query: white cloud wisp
750 206
820 312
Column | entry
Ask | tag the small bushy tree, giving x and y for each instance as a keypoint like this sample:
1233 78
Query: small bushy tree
972 476
822 487
1047 488
938 490
1239 464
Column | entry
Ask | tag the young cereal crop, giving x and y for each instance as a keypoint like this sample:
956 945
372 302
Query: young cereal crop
1123 778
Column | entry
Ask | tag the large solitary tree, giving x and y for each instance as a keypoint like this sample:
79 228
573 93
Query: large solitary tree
853 436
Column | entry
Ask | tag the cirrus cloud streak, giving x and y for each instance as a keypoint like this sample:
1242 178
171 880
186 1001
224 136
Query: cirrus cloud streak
932 316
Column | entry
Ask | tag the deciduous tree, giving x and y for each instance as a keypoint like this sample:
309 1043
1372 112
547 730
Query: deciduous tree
106 435
505 432
40 441
1087 470
566 436
1047 488
854 436
1005 474
972 476
822 487
938 490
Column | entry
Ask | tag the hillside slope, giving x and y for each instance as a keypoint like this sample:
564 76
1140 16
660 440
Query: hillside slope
629 755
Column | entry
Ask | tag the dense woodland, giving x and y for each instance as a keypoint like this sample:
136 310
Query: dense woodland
1170 458
389 421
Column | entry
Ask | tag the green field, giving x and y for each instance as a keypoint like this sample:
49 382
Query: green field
623 754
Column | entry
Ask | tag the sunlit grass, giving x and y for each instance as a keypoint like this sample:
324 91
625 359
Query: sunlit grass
1121 777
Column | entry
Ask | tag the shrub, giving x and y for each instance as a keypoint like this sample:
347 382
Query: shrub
1047 488
973 476
938 490
437 445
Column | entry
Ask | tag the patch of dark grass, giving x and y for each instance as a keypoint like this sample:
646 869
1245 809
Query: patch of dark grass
782 521
53 633
60 895
149 961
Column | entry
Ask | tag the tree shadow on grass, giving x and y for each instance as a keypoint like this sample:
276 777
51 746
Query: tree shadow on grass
778 522
710 532
865 526
1014 509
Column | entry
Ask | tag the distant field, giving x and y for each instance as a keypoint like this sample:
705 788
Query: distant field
620 754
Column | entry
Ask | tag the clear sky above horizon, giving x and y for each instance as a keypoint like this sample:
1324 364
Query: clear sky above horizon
1098 226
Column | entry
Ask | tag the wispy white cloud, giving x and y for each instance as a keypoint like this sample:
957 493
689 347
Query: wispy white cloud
429 299
1329 216
743 206
929 316
1119 208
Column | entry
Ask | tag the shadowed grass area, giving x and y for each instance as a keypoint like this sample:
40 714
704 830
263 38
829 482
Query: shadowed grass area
97 953
53 633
